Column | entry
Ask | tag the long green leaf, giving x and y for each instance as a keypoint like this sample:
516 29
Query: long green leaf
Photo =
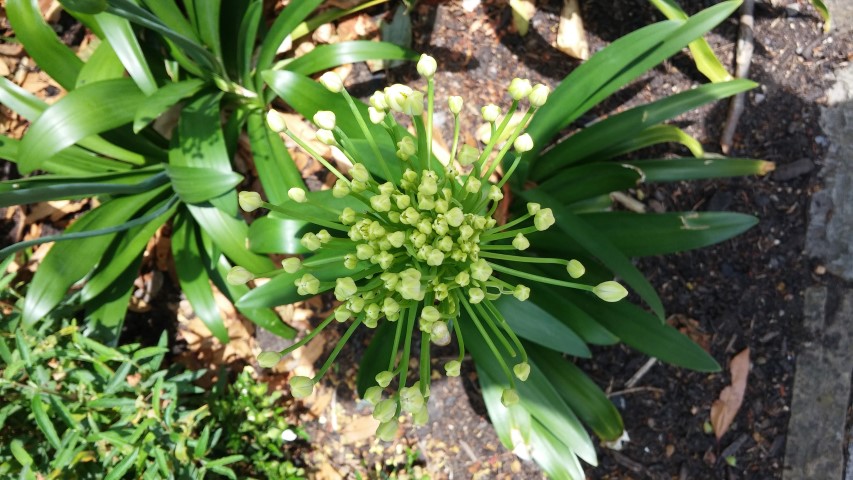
206 19
193 278
679 169
287 20
169 13
654 135
195 185
247 37
105 314
646 333
581 182
41 42
89 110
63 265
163 99
43 421
123 40
276 170
123 466
576 228
530 322
270 234
587 143
19 192
328 56
104 64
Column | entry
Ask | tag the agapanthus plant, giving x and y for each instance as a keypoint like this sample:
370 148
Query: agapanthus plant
422 250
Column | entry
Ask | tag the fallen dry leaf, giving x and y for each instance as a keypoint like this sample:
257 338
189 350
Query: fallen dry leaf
725 408
571 36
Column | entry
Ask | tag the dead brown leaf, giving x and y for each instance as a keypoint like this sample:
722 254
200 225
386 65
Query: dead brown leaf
725 409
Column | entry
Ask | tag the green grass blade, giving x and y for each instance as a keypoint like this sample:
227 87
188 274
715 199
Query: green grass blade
193 278
120 35
576 228
43 421
328 56
51 55
71 161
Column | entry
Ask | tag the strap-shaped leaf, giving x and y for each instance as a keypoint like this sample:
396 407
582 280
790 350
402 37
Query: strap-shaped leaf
640 235
552 454
229 234
103 64
204 14
615 66
586 144
169 13
71 161
530 322
292 15
43 421
63 265
581 182
49 187
596 244
645 333
270 234
328 56
654 135
105 314
582 394
163 99
195 185
276 170
505 419
120 35
247 37
92 109
41 42
549 298
193 278
678 169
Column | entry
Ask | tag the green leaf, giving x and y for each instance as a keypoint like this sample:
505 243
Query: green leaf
104 64
592 241
550 299
287 20
247 37
579 392
530 322
117 472
375 358
63 265
824 13
53 187
640 235
587 144
270 234
205 17
43 421
20 453
193 278
163 99
276 170
678 169
195 185
85 6
552 454
105 314
328 56
398 31
169 14
51 55
504 419
581 182
615 66
120 35
92 109
654 136
646 333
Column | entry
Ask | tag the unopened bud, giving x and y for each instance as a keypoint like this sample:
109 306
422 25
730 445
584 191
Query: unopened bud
543 219
524 143
268 359
509 397
519 88
455 104
249 201
296 194
490 112
575 269
539 95
610 291
325 119
332 81
301 387
427 66
521 371
238 276
276 121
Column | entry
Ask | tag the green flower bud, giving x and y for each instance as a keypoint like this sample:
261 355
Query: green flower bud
364 251
249 201
385 410
435 258
348 216
397 96
424 226
473 185
384 260
490 112
520 242
543 219
276 121
406 148
238 276
350 261
332 81
310 241
301 387
377 100
380 203
410 287
421 417
533 208
426 202
358 186
519 88
610 291
521 371
430 313
440 291
355 304
445 244
390 306
359 172
521 292
373 395
427 66
539 95
291 265
495 193
452 368
387 431
454 103
410 216
475 295
396 239
468 155
440 227
342 314
441 206
509 397
465 232
418 239
376 116
383 379
341 189
324 236
440 334
524 143
414 105
454 217
268 359
480 270
411 399
307 285
390 280
462 278
325 119
326 137
373 311
575 269
345 288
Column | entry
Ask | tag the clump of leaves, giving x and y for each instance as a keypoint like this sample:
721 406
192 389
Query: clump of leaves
255 424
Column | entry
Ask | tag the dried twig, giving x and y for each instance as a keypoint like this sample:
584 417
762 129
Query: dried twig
640 373
634 390
742 60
